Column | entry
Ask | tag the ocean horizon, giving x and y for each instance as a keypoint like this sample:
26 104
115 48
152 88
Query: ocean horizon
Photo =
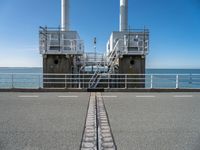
3 69
148 70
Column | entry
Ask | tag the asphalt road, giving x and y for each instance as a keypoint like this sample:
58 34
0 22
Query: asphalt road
139 121
154 121
42 121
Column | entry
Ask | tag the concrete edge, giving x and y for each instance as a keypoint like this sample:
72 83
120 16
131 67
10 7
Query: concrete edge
43 90
152 90
99 90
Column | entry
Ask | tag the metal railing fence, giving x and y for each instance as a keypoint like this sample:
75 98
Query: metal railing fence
106 81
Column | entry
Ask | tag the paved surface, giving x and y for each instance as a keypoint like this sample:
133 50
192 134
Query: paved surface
150 121
139 121
42 121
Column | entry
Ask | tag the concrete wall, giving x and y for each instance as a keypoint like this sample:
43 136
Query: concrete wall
56 64
133 65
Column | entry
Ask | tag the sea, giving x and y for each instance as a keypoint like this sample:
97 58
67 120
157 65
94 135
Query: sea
31 77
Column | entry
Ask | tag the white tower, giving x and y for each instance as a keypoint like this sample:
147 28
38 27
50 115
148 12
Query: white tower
65 15
123 15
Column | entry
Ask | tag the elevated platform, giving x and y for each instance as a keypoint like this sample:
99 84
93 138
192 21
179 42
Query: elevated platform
54 41
131 42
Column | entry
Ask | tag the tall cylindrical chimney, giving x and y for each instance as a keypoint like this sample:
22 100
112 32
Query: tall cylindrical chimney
65 15
123 15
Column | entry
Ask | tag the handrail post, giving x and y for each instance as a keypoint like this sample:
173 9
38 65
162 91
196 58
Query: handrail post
83 79
177 81
12 80
79 85
39 82
126 81
108 81
151 81
65 81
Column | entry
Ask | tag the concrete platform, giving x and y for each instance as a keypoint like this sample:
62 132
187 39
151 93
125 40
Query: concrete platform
154 121
42 121
98 90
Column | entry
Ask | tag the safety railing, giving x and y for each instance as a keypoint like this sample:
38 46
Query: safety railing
21 80
62 46
58 41
92 58
107 81
134 42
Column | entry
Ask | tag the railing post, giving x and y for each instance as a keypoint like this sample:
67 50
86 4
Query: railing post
65 81
84 81
39 82
12 78
177 81
151 81
108 81
79 80
126 81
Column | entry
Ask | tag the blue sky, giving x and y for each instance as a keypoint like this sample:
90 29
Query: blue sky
174 28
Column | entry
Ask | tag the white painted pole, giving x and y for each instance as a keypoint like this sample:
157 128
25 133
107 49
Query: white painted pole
65 15
151 81
123 15
177 81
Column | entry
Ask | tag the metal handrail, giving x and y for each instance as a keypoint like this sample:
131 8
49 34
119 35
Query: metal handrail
113 56
106 80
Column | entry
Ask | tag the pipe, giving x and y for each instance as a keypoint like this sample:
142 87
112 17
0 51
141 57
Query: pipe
64 15
123 15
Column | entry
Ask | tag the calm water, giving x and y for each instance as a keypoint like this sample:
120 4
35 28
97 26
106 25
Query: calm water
188 79
148 71
173 71
20 70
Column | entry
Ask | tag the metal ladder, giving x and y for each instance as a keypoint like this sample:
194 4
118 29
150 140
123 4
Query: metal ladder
95 79
113 57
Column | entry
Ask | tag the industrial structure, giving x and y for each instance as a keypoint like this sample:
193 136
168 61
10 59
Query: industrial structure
63 52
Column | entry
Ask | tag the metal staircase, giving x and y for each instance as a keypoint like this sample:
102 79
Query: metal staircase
114 55
94 81
113 58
